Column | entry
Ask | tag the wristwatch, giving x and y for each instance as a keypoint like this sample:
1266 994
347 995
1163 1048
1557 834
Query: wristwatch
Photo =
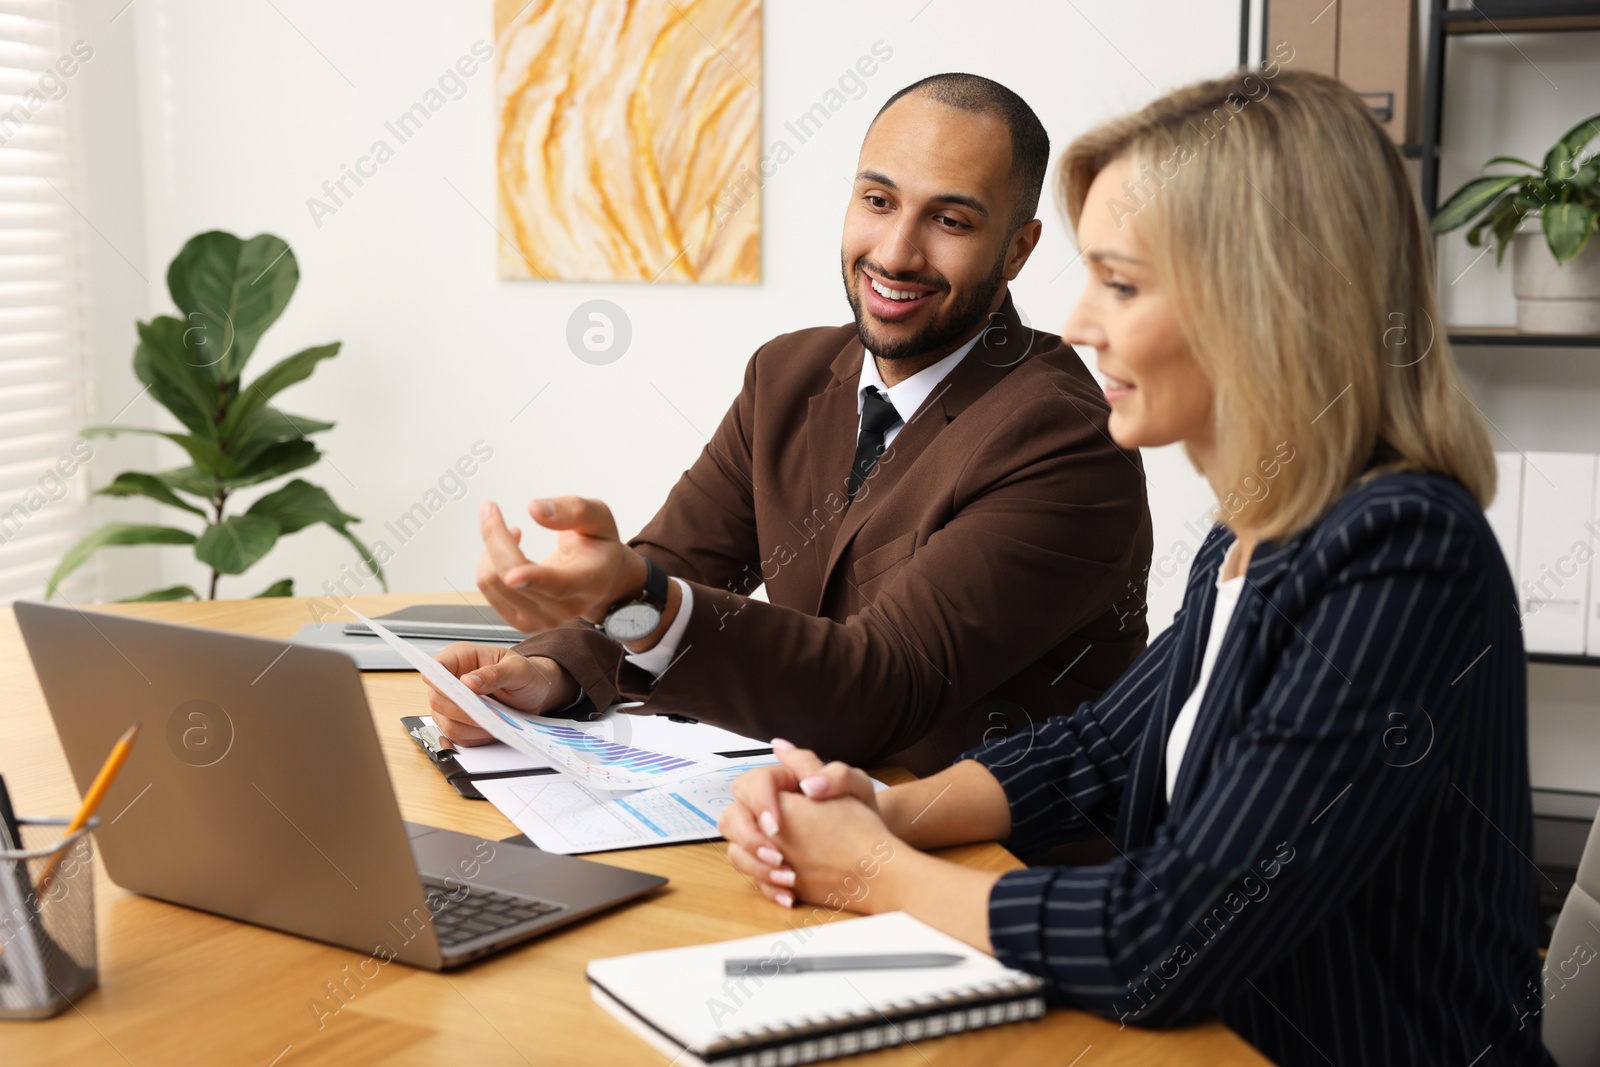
636 619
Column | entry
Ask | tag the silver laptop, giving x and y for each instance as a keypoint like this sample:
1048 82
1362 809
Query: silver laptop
257 791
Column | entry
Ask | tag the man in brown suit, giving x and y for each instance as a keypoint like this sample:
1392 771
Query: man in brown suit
951 544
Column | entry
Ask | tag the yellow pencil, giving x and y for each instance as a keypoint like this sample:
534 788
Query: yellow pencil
91 799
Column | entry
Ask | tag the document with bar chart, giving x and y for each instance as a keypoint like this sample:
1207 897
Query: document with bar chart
596 760
586 751
564 816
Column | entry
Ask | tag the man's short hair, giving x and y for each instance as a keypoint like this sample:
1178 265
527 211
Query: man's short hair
1030 145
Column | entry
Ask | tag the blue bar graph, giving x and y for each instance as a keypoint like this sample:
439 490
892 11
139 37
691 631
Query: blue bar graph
610 753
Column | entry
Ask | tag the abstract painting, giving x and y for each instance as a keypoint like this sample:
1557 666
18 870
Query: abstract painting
622 124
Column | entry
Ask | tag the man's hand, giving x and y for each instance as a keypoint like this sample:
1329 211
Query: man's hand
590 570
753 822
531 685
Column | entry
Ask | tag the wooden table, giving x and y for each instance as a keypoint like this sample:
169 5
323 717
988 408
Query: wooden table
179 986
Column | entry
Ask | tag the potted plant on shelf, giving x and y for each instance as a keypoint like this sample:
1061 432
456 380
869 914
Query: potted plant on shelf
229 291
1556 277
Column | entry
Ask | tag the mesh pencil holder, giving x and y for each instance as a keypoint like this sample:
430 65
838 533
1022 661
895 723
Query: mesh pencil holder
47 947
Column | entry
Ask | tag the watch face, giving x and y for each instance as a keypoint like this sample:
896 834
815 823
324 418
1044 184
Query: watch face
632 622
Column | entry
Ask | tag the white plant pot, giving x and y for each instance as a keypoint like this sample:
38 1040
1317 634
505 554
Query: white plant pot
1552 297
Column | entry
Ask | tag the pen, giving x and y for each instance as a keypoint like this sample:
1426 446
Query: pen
10 832
771 965
91 799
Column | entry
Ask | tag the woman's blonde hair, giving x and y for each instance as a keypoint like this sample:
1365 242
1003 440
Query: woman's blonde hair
1284 227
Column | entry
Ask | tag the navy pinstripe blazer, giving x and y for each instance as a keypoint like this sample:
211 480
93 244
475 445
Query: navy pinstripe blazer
1342 875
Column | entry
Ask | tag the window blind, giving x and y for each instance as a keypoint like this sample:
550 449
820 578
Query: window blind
43 484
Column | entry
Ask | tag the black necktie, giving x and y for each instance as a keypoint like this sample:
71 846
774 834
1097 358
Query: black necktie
878 417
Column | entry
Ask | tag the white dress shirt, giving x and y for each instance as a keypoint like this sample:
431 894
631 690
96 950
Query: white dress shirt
907 397
656 660
1183 726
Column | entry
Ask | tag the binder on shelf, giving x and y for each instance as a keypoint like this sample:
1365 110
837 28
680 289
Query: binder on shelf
1557 544
1377 57
1505 511
1370 45
1315 40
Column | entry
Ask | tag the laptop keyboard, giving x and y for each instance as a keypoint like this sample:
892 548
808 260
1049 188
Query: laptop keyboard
479 912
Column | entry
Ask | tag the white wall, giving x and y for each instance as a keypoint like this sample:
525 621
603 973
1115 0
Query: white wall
121 287
247 112
202 114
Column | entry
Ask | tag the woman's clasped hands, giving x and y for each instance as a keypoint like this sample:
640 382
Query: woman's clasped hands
805 830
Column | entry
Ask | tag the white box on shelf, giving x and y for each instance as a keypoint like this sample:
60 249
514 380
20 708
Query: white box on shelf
1505 511
1557 543
1593 535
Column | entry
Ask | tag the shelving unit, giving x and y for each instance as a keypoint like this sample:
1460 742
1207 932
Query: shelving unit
1531 17
1542 18
1550 16
1564 660
1511 336
1562 817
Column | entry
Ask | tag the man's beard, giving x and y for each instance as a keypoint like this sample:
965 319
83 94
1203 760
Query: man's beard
959 324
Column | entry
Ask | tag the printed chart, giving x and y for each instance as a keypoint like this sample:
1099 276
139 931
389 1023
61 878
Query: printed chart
565 816
587 755
601 757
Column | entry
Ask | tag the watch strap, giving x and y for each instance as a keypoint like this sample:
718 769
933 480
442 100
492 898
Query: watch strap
654 594
655 585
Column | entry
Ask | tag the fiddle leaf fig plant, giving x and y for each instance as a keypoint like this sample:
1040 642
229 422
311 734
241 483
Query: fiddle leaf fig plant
1565 192
229 291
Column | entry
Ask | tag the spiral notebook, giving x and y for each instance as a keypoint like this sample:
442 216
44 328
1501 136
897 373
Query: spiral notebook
681 1001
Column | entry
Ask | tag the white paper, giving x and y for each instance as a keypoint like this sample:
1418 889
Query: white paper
493 758
573 748
652 731
564 816
641 731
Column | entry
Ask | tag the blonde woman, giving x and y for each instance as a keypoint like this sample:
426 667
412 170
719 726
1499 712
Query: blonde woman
1316 779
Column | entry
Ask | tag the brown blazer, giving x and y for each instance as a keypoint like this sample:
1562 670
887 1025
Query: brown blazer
990 572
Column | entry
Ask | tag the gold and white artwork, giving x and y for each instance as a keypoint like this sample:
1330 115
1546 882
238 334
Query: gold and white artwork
621 125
